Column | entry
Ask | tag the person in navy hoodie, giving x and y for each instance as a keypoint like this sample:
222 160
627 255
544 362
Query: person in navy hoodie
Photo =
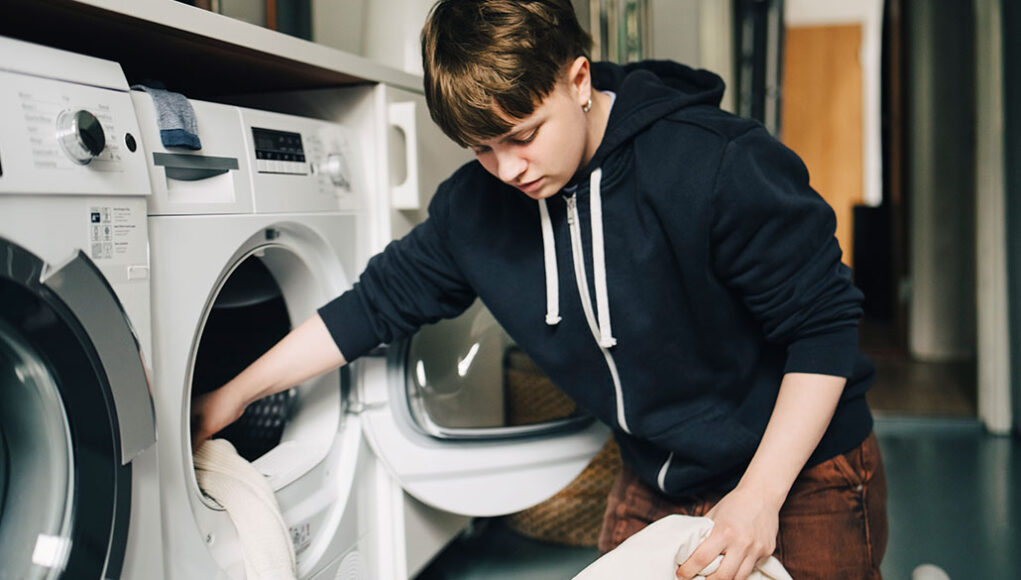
663 261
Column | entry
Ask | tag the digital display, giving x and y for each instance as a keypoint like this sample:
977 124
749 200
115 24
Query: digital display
278 145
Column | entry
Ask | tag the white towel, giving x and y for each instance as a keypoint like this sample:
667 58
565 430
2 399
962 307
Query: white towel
653 553
249 501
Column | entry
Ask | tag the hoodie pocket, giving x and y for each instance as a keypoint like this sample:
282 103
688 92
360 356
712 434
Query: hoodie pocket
703 449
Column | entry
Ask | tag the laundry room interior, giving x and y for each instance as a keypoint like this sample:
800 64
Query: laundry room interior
187 184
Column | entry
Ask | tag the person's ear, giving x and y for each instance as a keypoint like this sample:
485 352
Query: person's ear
579 78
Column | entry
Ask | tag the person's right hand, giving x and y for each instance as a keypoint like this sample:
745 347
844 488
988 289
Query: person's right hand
212 412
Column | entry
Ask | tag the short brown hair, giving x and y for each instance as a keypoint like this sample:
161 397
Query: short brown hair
491 62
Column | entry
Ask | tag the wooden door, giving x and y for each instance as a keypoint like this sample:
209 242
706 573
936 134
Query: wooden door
822 115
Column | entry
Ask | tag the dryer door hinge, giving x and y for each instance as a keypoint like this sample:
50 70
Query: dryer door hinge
358 407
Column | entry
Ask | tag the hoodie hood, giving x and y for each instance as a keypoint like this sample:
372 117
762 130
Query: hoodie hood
646 92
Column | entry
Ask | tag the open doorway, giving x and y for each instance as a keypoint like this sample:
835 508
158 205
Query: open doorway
905 198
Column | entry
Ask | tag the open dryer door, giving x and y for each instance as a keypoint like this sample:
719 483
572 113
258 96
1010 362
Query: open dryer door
466 422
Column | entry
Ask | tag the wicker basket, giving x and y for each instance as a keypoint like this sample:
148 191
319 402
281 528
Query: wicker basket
529 396
574 515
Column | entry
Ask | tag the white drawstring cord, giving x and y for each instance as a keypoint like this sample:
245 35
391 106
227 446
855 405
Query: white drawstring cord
550 259
606 339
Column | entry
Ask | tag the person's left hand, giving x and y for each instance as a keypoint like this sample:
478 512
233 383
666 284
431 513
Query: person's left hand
745 524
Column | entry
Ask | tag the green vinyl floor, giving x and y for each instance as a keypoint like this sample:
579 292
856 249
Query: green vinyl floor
954 501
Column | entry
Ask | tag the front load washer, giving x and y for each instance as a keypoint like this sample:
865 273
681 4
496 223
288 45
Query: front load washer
79 491
249 235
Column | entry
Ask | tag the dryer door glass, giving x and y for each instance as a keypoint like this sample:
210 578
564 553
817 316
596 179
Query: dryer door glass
466 379
36 490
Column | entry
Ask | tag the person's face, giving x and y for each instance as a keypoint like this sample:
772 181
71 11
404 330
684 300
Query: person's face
541 153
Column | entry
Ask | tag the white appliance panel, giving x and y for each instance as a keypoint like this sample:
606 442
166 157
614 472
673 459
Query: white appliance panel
303 163
31 156
85 221
212 180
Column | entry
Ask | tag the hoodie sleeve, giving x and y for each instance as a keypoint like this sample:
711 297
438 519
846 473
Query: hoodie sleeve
773 242
414 281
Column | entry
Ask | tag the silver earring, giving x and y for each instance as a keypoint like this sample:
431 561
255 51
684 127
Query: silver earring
587 106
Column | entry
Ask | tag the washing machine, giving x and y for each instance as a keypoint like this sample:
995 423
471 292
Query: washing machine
459 422
79 488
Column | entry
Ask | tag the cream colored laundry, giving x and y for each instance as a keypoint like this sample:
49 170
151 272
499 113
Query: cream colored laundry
652 554
243 492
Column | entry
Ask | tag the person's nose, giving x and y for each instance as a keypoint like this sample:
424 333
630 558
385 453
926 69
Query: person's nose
510 166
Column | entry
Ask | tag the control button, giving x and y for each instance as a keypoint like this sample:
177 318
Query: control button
336 168
80 135
138 272
129 140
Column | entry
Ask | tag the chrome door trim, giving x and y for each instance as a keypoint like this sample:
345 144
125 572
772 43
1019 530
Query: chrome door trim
413 410
80 285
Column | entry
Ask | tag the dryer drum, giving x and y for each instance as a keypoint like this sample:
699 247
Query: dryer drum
249 284
248 317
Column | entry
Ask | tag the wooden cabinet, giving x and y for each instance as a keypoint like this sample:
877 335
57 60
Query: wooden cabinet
190 50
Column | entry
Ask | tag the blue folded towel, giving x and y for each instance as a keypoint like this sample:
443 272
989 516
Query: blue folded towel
175 117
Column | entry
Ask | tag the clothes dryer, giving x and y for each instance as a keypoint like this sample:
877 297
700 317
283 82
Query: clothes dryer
249 235
79 491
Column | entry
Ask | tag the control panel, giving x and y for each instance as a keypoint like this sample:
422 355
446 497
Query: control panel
61 137
302 164
253 161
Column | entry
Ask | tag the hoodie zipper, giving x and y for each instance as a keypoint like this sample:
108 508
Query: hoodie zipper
578 258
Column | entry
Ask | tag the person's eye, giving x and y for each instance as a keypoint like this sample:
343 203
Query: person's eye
526 139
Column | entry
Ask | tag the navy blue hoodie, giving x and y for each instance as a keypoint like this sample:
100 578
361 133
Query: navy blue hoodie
668 293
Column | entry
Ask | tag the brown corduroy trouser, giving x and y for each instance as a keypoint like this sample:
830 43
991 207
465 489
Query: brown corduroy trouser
833 524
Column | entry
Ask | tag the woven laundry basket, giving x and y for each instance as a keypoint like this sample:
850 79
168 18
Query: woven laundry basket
529 396
574 515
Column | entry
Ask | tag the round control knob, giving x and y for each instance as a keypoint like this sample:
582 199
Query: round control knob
80 135
336 168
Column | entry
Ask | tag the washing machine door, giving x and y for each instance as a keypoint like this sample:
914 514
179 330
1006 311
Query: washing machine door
66 439
468 424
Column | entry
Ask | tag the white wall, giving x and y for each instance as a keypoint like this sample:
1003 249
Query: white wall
339 24
385 31
993 335
698 33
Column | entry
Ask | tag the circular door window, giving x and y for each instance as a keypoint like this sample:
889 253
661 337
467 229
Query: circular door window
36 487
466 379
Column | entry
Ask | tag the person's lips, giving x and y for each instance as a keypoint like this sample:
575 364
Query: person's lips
531 186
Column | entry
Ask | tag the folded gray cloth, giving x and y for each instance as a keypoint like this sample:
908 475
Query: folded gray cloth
175 117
